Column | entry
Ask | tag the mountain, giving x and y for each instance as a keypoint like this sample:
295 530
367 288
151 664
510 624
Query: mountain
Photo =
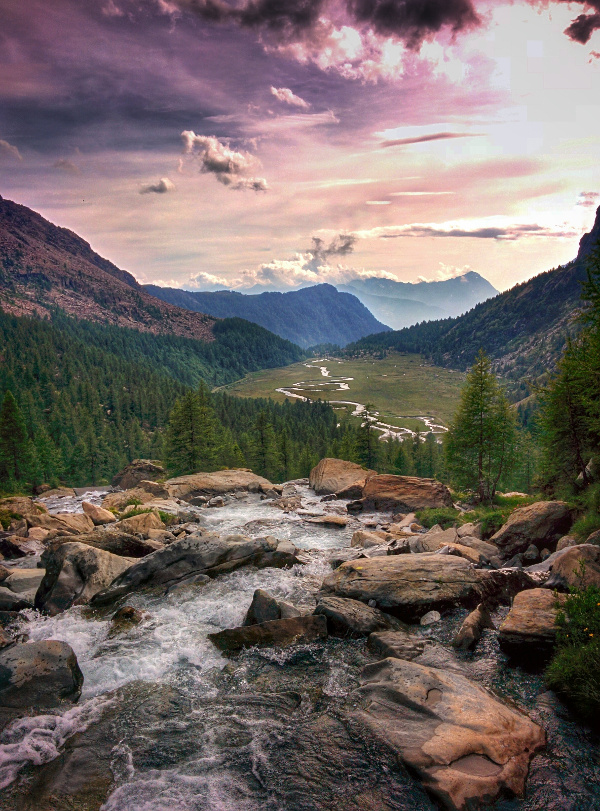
402 304
523 330
312 315
43 266
51 273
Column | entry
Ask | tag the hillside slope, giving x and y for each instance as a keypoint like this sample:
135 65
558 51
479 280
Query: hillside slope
313 315
43 266
523 329
402 304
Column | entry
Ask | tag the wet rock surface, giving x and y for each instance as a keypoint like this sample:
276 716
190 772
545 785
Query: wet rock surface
39 674
352 618
166 721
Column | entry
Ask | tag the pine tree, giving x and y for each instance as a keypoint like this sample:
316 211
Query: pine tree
367 442
16 452
264 452
193 435
480 442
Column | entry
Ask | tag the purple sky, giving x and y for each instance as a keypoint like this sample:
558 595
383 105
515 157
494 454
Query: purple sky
200 143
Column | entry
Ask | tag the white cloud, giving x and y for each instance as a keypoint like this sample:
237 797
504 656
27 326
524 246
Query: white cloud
9 151
285 95
231 168
448 272
161 186
206 281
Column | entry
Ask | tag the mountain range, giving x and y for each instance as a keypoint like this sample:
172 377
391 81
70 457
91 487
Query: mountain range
313 315
523 329
402 304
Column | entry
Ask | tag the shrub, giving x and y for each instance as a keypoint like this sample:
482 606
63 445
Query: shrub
444 516
6 518
166 518
574 672
491 523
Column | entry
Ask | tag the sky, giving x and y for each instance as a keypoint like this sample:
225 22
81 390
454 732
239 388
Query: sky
270 143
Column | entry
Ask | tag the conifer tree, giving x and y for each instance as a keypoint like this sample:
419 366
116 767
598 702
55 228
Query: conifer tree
265 455
16 453
193 434
480 443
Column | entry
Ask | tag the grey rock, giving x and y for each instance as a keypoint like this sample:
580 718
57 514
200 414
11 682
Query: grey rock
399 644
282 633
9 601
353 618
206 554
541 524
430 618
39 674
265 608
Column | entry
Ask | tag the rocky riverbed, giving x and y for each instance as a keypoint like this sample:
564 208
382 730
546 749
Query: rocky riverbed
166 720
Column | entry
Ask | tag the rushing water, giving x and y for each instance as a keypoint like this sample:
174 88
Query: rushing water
167 723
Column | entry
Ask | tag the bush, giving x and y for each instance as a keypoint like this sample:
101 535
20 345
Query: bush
574 672
7 517
491 523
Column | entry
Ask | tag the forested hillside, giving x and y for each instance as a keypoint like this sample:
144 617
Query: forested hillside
314 315
523 330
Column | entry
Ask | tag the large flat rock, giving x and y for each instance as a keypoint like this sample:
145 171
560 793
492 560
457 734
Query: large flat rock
405 493
466 747
216 484
207 554
408 585
352 618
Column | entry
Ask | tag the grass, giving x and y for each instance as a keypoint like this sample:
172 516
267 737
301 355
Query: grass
401 387
166 518
574 672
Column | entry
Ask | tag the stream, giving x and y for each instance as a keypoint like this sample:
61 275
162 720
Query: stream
331 384
168 723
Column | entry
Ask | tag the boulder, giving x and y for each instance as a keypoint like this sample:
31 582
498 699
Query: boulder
38 534
344 479
542 524
98 515
39 674
430 618
21 505
74 573
594 538
465 746
470 530
119 501
140 524
283 632
217 484
565 542
265 608
364 538
470 631
22 581
62 523
408 585
13 547
529 631
124 620
196 554
116 542
330 520
578 567
352 618
59 492
10 601
406 493
155 489
399 644
137 471
433 540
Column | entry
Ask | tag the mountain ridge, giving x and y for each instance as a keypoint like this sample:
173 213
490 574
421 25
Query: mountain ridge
319 314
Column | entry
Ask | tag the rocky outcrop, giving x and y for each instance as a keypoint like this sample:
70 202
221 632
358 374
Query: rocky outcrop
265 608
119 501
464 745
352 618
98 515
208 485
39 674
283 632
345 479
578 567
469 633
140 524
13 547
62 523
24 582
137 471
75 572
407 585
529 631
199 554
541 524
11 601
404 493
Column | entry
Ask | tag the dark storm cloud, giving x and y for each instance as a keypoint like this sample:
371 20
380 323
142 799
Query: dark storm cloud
512 232
582 27
342 245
